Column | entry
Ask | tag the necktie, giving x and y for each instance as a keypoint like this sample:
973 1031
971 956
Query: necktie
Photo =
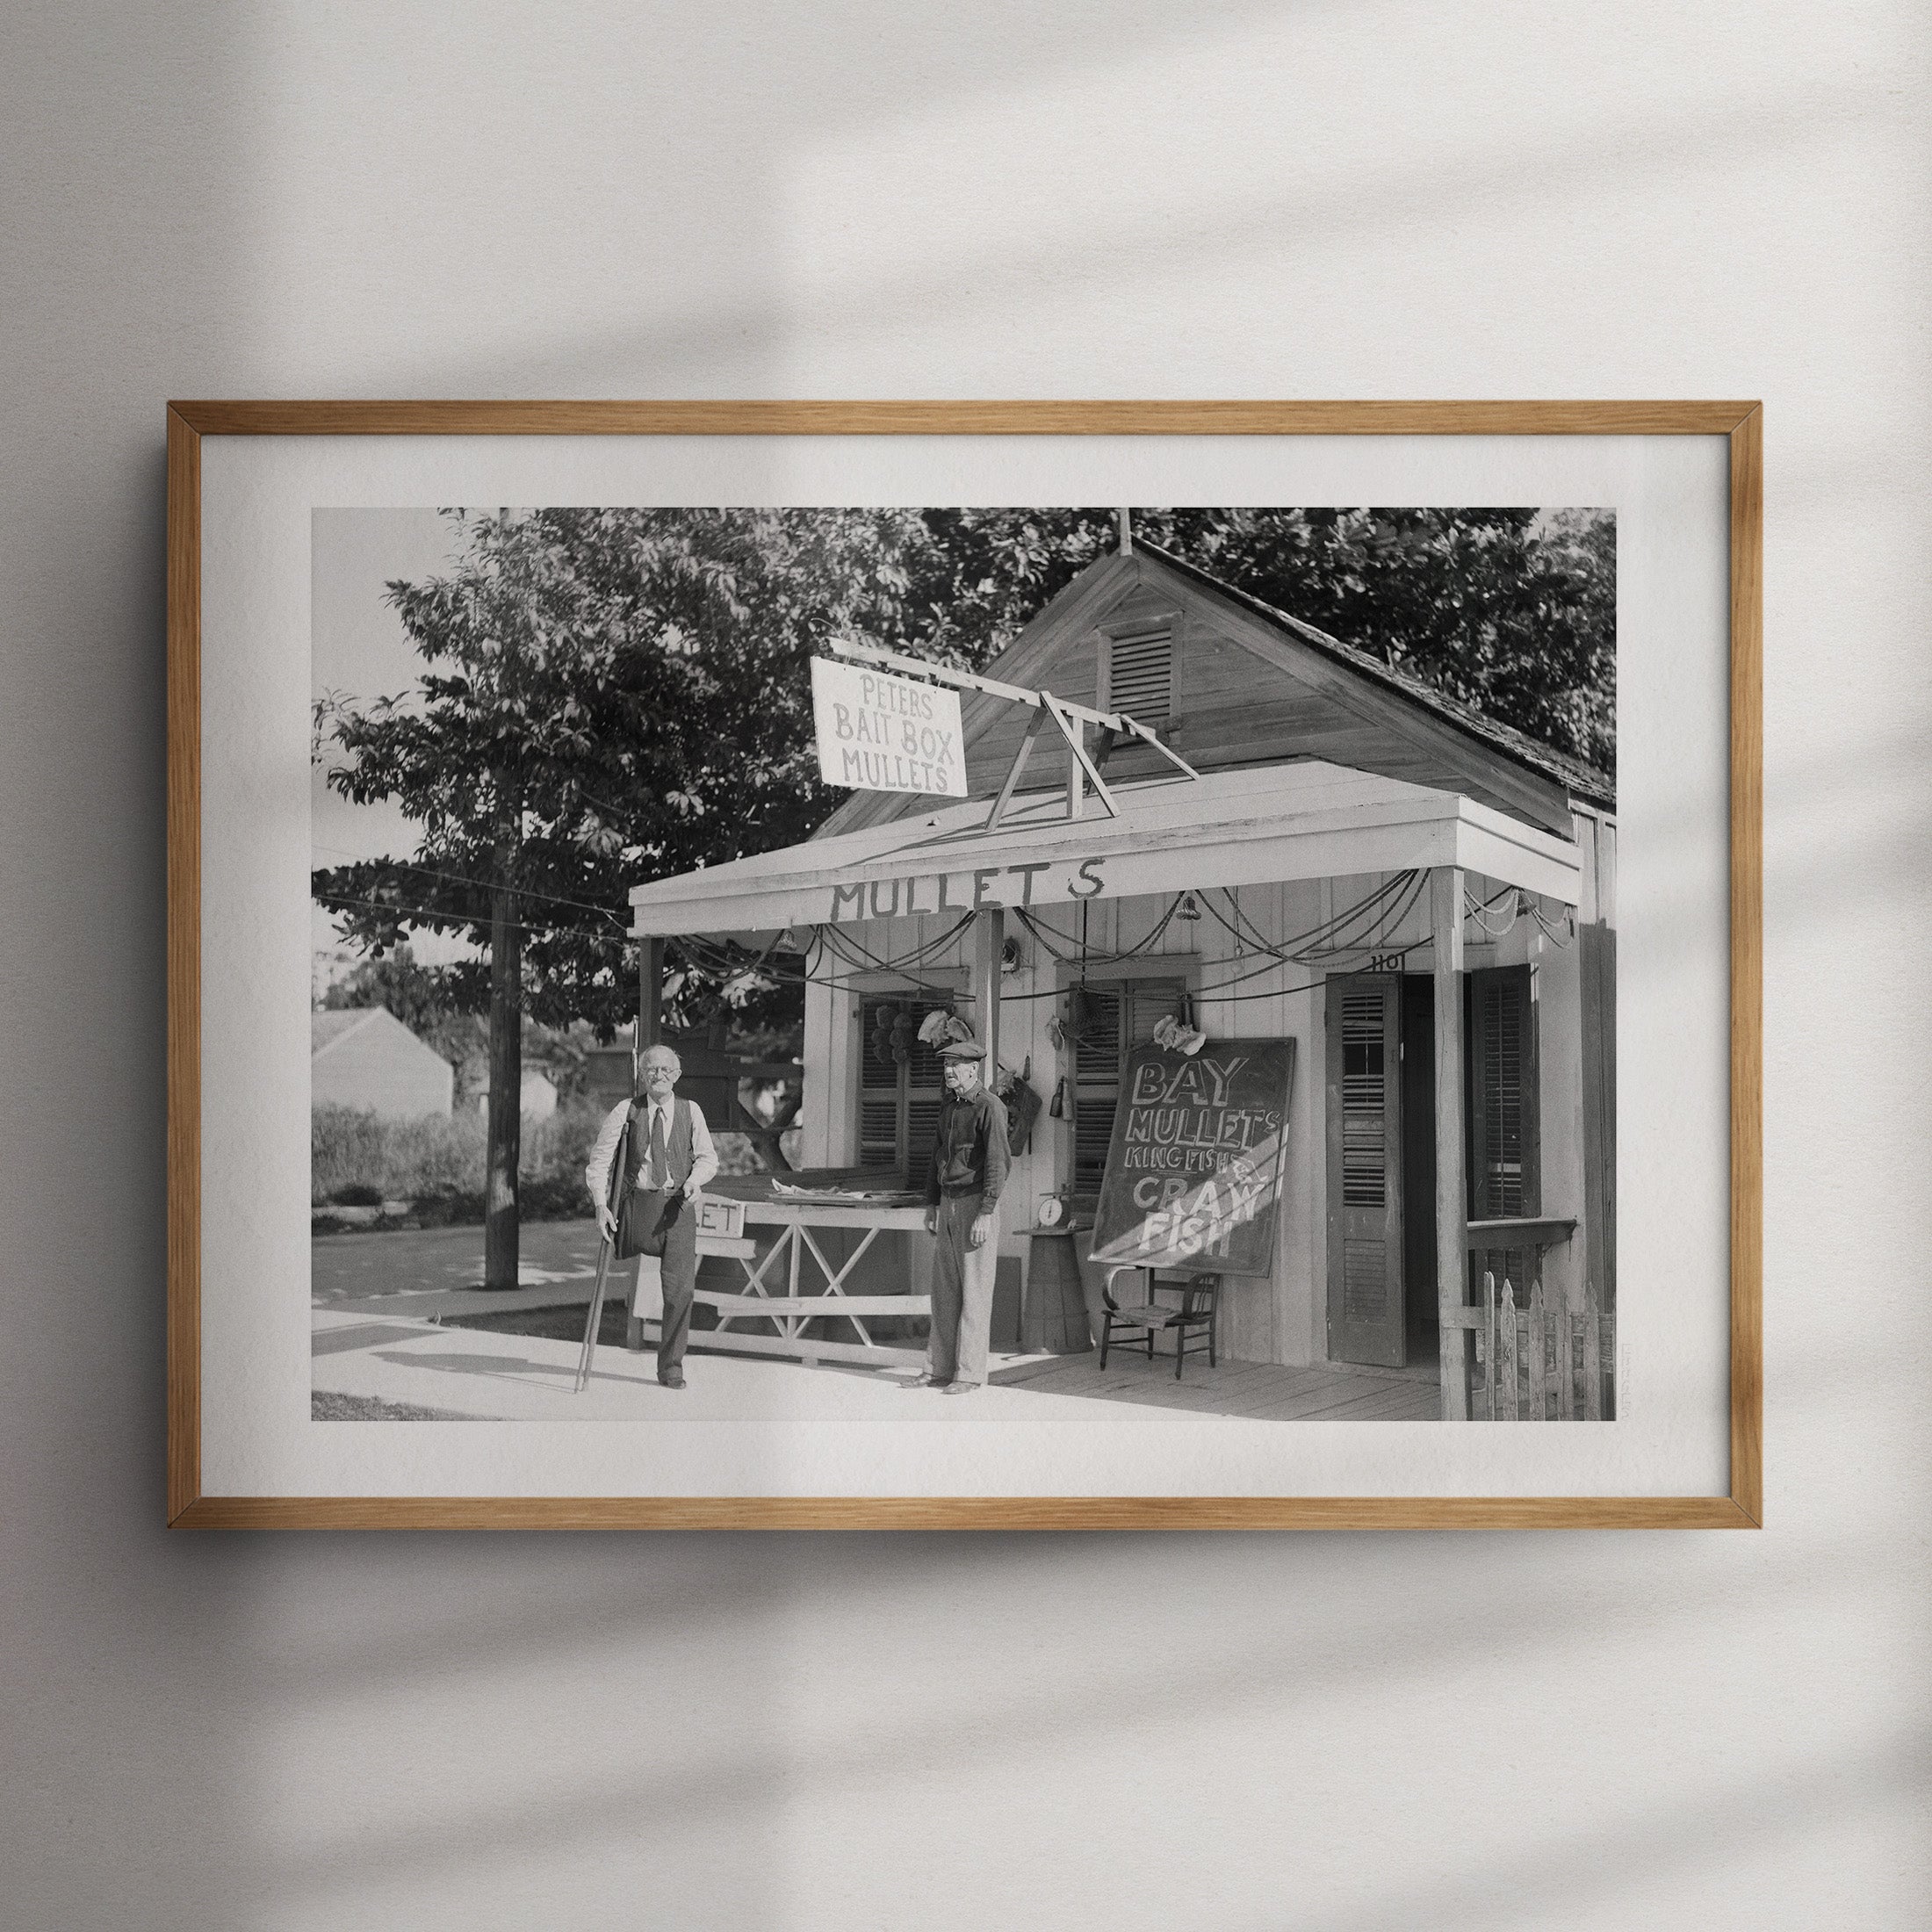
659 1177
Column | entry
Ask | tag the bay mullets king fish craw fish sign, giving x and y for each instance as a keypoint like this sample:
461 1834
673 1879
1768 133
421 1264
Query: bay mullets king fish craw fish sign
1194 1167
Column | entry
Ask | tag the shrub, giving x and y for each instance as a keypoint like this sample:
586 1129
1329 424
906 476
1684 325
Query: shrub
357 1160
377 1160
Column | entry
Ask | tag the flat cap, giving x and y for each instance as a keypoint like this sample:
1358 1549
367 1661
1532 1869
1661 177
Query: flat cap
963 1049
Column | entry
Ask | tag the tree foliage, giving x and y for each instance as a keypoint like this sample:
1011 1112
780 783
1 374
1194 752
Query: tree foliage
1509 610
608 697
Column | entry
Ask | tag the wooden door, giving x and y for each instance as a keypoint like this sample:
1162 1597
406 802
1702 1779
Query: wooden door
1365 1216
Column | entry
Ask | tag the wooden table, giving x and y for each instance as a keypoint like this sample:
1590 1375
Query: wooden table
788 1284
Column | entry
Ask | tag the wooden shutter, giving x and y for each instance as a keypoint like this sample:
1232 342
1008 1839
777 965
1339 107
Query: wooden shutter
898 1101
1365 1262
1123 1015
924 1089
1141 673
878 1090
1504 1183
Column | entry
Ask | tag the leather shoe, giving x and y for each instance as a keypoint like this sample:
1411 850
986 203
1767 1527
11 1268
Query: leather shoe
674 1380
927 1382
959 1388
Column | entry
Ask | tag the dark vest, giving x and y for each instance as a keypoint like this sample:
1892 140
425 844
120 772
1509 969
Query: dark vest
678 1158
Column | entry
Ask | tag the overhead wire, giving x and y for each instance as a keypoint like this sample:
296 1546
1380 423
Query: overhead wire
488 885
431 915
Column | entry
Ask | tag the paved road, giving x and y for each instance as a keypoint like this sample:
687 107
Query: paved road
357 1267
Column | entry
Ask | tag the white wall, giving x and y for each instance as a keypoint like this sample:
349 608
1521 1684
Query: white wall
1108 198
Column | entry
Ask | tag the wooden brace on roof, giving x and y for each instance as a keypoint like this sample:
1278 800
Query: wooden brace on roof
1069 717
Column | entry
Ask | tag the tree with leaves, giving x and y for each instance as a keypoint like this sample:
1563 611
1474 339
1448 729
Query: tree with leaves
1512 611
607 695
612 695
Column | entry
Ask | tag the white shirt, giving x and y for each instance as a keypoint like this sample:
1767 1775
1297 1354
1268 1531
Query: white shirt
603 1149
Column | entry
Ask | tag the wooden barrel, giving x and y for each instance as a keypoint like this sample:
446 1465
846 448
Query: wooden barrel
1053 1315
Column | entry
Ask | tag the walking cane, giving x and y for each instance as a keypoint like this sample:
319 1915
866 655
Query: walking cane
619 1162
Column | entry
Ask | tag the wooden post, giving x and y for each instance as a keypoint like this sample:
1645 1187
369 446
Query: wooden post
989 942
1452 1183
650 991
829 1105
503 1129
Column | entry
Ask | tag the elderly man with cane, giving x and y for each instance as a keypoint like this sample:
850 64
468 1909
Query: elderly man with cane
971 1158
668 1157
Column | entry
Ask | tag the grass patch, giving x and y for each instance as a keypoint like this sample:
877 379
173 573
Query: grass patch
324 1406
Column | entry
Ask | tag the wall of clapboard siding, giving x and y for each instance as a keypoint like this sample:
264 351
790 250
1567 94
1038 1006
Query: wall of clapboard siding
1231 703
1283 1319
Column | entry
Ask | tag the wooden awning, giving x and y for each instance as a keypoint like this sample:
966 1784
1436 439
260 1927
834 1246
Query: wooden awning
1270 824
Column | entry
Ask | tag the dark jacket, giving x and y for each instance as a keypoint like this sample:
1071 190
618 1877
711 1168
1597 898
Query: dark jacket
970 1155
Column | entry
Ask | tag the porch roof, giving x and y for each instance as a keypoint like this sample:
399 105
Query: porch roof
1265 823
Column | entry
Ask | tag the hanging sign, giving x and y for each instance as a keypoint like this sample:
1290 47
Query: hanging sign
1193 1172
877 732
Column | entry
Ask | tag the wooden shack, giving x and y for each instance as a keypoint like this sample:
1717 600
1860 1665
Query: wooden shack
1421 899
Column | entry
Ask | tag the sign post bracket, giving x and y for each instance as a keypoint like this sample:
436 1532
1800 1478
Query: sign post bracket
1077 761
1035 725
1116 721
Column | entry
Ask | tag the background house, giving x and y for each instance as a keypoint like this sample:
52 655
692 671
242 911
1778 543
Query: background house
538 1090
363 1057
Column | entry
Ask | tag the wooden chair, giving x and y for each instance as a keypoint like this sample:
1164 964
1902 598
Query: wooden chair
1199 1298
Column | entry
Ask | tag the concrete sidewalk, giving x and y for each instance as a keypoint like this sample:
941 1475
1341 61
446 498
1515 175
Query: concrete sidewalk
480 1375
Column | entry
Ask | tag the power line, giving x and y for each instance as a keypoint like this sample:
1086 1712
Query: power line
431 915
488 885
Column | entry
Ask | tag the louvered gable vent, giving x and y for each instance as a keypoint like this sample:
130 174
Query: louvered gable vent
1141 673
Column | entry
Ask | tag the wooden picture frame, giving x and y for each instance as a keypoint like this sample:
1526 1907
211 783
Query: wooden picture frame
189 424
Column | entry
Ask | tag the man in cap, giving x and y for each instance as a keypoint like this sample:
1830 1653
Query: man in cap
668 1157
970 1162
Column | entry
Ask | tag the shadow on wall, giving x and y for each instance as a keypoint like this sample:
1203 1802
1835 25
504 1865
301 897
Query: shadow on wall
229 1733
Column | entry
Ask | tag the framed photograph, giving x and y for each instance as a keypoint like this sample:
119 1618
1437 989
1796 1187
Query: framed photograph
950 965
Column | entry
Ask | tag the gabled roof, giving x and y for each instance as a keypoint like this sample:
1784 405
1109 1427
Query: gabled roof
336 1023
1584 780
1327 700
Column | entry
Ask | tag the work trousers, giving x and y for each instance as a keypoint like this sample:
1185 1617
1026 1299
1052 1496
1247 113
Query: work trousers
665 1224
963 1293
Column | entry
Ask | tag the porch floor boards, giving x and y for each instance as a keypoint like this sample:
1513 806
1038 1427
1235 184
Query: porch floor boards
1260 1389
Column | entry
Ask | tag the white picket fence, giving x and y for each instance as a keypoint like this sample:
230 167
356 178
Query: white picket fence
1536 1359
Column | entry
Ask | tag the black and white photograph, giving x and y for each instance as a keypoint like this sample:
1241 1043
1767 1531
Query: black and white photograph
1006 964
964 967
